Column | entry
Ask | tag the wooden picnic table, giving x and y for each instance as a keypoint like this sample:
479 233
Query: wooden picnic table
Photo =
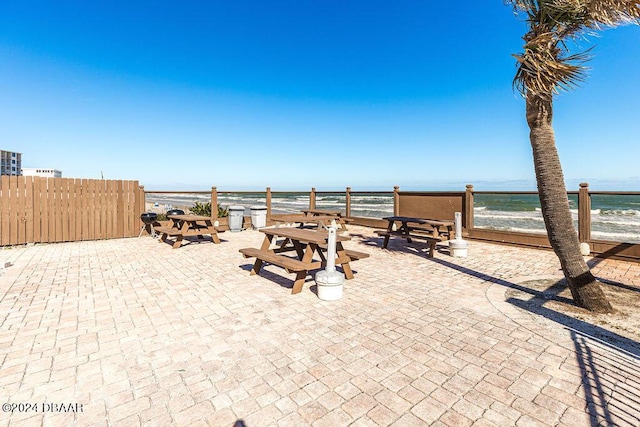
316 212
305 243
336 215
430 230
188 225
322 221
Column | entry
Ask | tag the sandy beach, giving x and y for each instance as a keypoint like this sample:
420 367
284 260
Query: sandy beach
160 208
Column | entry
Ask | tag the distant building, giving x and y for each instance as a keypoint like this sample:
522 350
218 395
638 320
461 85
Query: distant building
46 173
10 163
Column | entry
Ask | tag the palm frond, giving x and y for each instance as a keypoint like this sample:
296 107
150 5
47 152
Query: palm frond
545 67
612 13
585 13
543 71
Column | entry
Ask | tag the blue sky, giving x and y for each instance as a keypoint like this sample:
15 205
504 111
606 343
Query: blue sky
294 94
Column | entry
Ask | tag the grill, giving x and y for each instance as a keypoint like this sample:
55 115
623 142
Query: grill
148 218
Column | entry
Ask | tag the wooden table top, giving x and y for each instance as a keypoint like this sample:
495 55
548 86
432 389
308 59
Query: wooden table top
302 234
437 222
321 212
302 218
190 217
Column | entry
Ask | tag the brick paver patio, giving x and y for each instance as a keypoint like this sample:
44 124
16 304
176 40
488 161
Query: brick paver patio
129 332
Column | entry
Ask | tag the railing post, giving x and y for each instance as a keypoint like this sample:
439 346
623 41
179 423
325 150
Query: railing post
312 198
396 201
584 213
468 208
347 211
268 203
214 203
142 200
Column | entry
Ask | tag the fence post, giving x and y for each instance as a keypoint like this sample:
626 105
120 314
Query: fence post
142 199
312 198
120 209
468 208
584 213
347 212
396 201
268 203
214 203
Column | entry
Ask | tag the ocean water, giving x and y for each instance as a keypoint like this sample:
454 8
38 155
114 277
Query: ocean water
613 217
372 205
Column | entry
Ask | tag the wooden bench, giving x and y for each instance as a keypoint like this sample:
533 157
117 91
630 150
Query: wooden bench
354 255
292 265
305 221
168 231
428 232
179 234
431 241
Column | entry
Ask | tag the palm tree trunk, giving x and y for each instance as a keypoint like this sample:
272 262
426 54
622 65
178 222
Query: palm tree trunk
585 289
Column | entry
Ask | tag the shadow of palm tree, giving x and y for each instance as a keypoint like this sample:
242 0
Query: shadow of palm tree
616 250
609 363
539 298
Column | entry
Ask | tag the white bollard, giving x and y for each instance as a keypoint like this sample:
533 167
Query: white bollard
458 222
457 246
331 249
329 281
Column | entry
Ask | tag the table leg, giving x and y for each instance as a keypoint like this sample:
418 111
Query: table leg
307 256
432 248
266 243
346 267
256 267
300 250
212 231
284 243
386 237
299 282
405 230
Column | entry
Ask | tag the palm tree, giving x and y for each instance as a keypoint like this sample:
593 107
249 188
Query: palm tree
543 70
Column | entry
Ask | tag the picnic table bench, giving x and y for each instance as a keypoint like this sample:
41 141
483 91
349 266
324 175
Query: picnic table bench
335 215
430 230
305 243
188 225
305 221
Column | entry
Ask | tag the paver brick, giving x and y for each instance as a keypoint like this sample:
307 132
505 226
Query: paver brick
382 415
148 335
429 410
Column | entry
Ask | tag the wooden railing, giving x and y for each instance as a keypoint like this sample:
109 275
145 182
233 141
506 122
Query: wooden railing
443 205
34 209
39 210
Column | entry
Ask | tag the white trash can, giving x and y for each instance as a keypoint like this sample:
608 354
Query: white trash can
258 217
236 218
